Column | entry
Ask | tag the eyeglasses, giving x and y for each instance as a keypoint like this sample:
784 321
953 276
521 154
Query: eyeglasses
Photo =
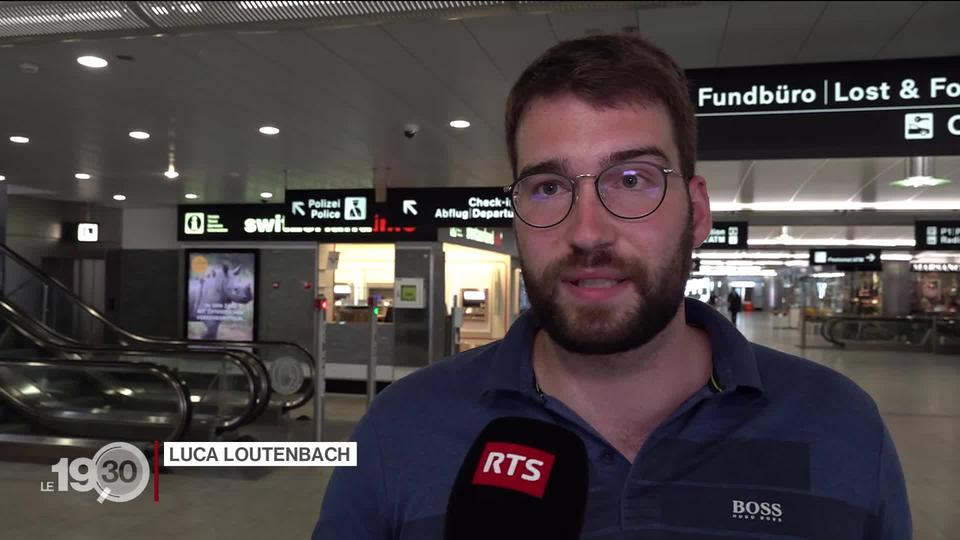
631 190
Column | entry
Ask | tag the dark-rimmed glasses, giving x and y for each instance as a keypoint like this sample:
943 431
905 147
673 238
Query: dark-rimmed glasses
631 190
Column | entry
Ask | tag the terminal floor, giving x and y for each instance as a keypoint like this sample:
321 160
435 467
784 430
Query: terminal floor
917 394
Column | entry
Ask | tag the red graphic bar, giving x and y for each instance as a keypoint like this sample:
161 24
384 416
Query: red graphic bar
156 471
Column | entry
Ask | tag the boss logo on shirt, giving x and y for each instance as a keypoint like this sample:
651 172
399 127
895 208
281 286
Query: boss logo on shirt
753 510
514 466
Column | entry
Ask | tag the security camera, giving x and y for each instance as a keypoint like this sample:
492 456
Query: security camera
410 130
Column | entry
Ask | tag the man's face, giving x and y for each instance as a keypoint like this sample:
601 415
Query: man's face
598 283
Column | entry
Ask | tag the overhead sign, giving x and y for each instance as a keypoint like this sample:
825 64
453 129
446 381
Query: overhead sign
727 235
270 222
451 207
950 268
323 207
843 109
847 258
938 235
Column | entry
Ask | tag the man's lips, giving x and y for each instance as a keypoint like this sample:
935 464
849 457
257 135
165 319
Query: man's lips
594 279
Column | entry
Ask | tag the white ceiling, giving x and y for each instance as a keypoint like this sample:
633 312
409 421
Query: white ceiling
342 96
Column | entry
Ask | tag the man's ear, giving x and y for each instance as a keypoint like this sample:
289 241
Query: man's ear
700 209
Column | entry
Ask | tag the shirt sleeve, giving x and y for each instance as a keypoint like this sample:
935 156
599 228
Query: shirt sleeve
355 502
894 519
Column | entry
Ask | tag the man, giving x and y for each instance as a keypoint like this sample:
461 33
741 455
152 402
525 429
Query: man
734 304
691 431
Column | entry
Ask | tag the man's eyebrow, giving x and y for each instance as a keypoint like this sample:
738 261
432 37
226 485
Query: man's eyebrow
553 165
557 165
632 153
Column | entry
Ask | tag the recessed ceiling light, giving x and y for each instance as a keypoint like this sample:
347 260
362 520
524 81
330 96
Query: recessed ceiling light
171 173
19 139
190 196
269 130
119 197
82 176
266 195
92 62
459 124
140 135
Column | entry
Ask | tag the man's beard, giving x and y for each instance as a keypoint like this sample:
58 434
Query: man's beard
610 329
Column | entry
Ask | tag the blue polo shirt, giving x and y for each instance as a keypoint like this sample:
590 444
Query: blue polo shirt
773 447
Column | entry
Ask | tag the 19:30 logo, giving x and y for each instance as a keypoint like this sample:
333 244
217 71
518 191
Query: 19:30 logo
118 472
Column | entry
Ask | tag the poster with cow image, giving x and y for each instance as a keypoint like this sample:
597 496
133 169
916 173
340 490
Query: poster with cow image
221 295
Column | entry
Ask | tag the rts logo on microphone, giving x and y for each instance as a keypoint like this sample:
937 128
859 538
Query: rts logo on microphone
514 466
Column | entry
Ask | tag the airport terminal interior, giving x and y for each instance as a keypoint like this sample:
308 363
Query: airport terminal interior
239 221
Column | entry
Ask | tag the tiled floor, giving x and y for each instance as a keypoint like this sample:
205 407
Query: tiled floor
917 394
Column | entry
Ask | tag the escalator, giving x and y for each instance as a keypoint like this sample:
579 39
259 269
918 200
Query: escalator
66 318
61 391
69 376
909 333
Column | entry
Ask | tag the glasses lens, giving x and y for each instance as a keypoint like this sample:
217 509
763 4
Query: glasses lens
543 200
632 190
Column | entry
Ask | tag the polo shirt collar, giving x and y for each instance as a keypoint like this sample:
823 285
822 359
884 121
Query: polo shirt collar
734 363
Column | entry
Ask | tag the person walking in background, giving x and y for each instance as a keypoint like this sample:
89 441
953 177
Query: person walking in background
734 304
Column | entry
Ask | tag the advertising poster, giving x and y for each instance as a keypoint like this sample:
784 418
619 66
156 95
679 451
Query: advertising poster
221 295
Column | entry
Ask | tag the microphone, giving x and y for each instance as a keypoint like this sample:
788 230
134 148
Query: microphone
522 479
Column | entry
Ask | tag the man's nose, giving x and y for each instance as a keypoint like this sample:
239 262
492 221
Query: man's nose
589 226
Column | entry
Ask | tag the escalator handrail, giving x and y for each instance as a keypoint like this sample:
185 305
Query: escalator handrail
184 406
258 380
826 331
93 312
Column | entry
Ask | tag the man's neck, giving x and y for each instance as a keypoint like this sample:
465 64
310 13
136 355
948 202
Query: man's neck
625 396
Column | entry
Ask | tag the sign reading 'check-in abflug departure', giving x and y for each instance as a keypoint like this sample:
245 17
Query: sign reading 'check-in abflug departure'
451 207
843 109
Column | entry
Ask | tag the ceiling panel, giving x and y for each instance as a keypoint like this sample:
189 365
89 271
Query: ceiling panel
874 28
692 34
767 32
780 180
461 65
847 179
723 178
932 31
513 42
574 25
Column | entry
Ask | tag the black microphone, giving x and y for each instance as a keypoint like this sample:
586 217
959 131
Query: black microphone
522 479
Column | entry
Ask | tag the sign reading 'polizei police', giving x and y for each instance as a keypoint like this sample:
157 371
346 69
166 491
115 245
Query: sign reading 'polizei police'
451 207
847 258
329 207
727 235
938 235
844 109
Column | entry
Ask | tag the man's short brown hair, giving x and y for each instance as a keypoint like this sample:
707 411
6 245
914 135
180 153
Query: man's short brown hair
608 71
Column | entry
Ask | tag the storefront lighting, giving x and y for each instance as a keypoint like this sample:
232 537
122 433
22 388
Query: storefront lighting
834 206
920 174
828 275
816 242
896 257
